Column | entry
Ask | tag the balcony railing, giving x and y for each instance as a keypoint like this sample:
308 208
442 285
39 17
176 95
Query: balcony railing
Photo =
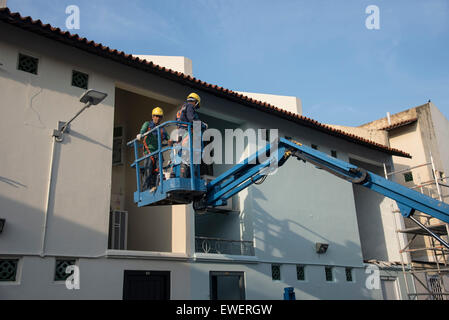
222 246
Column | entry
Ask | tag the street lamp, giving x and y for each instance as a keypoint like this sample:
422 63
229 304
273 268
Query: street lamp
89 98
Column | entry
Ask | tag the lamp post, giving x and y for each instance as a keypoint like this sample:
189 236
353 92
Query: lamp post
89 98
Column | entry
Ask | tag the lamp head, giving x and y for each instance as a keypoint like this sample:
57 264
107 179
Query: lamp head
93 97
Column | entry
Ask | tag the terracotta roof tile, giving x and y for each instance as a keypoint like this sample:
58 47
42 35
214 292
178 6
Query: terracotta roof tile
399 124
56 34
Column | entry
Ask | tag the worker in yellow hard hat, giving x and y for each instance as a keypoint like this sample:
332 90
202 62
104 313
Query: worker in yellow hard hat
188 113
151 144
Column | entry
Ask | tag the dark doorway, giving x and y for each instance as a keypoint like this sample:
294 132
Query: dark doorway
146 285
227 286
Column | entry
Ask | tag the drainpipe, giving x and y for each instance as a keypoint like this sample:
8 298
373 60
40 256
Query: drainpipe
50 180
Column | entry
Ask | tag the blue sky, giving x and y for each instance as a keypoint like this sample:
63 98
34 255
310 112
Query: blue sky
317 50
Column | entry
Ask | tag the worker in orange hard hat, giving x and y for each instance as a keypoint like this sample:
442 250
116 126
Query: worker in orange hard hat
151 144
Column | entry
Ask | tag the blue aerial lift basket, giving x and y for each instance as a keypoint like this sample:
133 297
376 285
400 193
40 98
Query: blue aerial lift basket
174 189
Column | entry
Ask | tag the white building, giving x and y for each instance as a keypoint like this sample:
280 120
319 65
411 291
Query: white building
56 202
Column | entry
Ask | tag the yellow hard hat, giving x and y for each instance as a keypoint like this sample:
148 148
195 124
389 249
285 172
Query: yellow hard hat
195 97
158 112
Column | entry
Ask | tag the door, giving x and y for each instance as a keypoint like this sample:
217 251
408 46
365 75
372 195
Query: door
390 288
146 285
227 286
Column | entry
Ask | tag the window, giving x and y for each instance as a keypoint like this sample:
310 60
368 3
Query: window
80 80
408 177
276 272
300 273
61 267
8 270
334 153
117 149
314 146
349 277
27 64
227 285
329 273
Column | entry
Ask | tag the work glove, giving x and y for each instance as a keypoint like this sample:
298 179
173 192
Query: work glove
139 137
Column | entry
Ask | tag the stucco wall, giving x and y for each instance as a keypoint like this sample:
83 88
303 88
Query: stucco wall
288 103
292 210
375 135
441 127
103 279
378 222
180 64
31 107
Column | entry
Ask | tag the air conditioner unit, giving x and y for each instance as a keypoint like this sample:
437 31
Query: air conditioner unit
118 230
230 203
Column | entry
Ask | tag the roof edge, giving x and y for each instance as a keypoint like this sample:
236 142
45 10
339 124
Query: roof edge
74 40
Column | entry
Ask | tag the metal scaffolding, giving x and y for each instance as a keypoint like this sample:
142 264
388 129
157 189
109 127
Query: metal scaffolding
428 275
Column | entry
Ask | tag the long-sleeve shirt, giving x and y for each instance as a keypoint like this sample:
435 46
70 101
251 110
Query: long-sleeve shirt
188 113
150 140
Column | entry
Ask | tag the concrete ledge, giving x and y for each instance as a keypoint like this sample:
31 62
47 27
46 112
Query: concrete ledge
126 254
225 258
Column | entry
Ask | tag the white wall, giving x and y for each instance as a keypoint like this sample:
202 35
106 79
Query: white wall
180 64
441 127
378 222
31 107
300 205
291 104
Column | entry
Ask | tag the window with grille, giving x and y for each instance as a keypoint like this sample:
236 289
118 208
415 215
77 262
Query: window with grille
61 267
329 274
300 273
276 272
27 64
80 80
8 270
117 148
435 286
408 177
349 277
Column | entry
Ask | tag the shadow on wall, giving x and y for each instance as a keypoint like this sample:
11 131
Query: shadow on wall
22 233
277 237
371 227
276 240
65 236
13 183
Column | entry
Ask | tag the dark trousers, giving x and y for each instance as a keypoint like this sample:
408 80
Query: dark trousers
149 176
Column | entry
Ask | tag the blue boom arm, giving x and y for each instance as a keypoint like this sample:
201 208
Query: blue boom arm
251 171
184 189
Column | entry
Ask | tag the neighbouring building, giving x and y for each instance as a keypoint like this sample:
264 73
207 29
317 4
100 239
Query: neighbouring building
423 131
71 203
